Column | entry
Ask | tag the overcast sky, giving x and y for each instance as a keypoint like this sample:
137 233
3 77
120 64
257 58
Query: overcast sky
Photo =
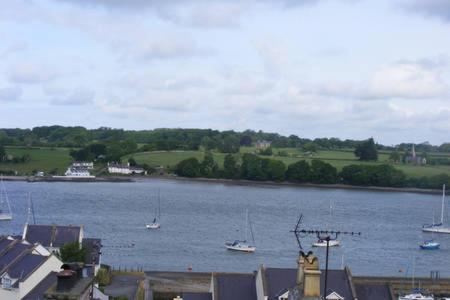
315 68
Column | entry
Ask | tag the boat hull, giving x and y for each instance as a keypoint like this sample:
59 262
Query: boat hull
324 244
247 249
153 226
430 247
415 297
445 230
5 217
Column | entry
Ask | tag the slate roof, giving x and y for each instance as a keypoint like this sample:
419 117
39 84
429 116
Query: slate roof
93 247
338 282
279 280
37 293
4 243
373 291
197 296
25 265
52 235
236 286
13 252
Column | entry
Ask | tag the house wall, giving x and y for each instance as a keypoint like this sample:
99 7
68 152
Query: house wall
51 264
11 294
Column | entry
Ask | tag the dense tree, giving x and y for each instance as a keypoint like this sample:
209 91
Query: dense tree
252 167
367 150
299 172
208 167
322 172
310 147
132 161
2 153
268 151
275 169
72 252
230 167
229 144
246 140
208 143
375 175
395 156
188 168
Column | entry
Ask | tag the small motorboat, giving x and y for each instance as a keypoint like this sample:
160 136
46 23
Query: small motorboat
416 296
323 243
242 246
430 245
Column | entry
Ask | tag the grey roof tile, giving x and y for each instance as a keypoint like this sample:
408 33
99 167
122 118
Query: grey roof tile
93 252
12 253
25 265
236 286
279 280
53 235
373 292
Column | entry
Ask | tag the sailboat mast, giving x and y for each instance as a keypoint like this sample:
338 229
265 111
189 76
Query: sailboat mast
443 200
246 223
3 189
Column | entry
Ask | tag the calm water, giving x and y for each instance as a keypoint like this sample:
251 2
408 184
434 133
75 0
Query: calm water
197 218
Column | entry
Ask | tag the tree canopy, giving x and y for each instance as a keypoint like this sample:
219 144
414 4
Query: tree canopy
367 150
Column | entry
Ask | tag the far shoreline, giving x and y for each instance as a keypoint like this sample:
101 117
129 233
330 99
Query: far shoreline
237 182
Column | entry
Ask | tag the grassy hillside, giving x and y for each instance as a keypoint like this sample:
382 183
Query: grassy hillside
338 159
42 159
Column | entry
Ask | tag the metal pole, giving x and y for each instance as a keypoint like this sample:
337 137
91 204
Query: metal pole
326 269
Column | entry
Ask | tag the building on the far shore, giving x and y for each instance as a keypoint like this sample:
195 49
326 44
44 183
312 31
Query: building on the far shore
115 168
262 144
83 164
78 172
415 159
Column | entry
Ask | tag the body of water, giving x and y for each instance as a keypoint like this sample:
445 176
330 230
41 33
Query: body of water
197 218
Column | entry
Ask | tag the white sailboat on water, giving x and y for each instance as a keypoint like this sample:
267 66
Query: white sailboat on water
323 243
155 224
5 215
438 227
243 245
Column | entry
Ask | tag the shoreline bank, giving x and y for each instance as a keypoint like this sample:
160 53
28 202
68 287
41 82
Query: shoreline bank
238 182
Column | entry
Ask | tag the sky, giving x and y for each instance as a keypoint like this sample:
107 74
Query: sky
315 68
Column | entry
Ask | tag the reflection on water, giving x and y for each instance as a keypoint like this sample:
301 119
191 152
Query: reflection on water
197 218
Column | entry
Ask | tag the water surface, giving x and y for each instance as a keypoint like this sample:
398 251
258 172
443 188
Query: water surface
197 218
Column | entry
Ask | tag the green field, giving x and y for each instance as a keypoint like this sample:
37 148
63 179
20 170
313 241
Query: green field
48 159
42 159
338 159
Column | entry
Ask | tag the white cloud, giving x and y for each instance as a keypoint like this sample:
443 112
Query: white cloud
12 93
429 8
30 73
79 96
405 79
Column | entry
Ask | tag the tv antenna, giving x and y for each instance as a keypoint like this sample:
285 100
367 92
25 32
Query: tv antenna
322 235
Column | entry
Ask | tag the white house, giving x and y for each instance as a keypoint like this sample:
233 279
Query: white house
114 168
23 267
78 172
262 144
83 164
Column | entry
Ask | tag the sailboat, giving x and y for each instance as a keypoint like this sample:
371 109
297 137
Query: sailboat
242 245
155 224
322 242
438 227
429 245
4 215
416 294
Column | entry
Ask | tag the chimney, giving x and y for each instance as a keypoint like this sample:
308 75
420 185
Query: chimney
67 277
300 271
311 281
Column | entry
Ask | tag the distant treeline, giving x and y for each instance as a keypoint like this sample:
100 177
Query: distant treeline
253 167
181 139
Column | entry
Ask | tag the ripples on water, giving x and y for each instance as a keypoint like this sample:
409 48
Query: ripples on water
197 218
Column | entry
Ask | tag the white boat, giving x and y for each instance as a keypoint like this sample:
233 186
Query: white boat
5 215
323 243
416 296
243 245
438 227
155 224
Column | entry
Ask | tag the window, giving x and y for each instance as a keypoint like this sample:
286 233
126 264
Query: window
6 283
